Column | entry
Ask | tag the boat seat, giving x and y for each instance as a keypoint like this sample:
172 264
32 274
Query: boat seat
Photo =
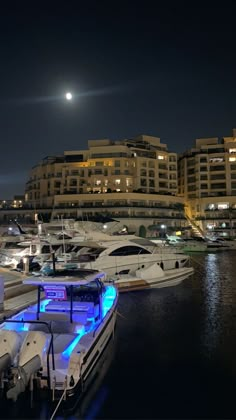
62 327
39 327
60 322
54 316
29 316
64 306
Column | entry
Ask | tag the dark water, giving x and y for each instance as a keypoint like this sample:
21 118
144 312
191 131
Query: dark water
174 353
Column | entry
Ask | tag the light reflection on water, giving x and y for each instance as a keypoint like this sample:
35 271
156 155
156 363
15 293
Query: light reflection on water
212 292
217 285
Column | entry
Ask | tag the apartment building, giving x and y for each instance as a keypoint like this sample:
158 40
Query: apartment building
207 182
129 178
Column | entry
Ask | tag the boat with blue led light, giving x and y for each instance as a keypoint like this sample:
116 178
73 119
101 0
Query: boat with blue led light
54 344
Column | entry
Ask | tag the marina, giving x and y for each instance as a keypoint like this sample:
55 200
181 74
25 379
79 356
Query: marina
131 262
117 212
171 344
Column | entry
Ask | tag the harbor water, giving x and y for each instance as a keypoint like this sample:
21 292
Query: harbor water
173 355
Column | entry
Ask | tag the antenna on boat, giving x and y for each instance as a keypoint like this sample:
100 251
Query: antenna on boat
63 237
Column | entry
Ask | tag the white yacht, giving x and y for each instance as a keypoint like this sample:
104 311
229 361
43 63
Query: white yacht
118 257
12 250
55 344
194 244
228 243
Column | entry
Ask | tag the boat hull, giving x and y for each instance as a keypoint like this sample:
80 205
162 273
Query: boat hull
172 278
74 396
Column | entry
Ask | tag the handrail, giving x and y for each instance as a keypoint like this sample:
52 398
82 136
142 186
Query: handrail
102 320
50 347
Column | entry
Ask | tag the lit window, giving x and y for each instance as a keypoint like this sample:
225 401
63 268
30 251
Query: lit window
117 181
210 226
160 157
232 159
223 206
128 182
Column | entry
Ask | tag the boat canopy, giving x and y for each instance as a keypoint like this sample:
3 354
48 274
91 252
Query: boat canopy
75 278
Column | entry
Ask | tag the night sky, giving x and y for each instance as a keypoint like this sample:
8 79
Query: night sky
165 69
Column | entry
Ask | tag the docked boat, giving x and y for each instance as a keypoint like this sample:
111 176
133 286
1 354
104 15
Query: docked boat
227 243
195 244
203 245
151 277
54 345
124 256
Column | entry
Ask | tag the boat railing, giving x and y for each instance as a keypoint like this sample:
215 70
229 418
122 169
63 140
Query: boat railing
102 320
50 347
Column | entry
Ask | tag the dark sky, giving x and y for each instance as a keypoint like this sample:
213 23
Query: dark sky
165 69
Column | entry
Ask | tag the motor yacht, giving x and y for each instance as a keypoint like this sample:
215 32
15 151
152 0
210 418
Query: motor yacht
118 257
194 244
54 345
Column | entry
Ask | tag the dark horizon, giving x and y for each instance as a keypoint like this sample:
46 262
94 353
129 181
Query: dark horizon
162 70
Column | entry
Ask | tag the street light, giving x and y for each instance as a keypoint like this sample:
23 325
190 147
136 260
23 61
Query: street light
163 231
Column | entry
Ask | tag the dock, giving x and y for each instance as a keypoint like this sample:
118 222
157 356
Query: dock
16 295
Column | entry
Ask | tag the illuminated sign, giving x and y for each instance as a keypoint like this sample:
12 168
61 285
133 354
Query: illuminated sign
52 292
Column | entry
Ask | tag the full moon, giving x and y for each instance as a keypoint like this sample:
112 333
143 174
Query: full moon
68 96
